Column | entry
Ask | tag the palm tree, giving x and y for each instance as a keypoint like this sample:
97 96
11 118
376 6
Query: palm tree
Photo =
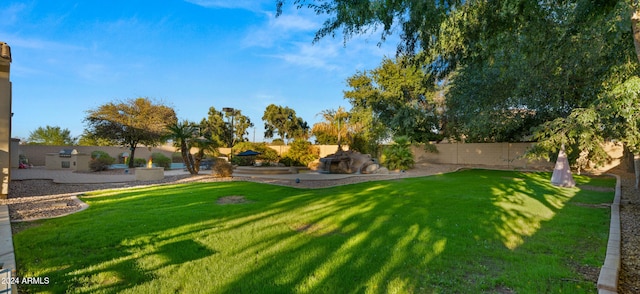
182 133
336 123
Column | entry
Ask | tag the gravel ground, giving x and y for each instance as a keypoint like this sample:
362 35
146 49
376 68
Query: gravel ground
35 199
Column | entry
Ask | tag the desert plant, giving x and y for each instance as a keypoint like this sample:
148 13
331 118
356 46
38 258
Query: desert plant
222 169
100 161
398 156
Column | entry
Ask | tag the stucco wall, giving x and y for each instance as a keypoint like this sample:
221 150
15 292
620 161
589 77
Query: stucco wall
490 154
508 155
36 153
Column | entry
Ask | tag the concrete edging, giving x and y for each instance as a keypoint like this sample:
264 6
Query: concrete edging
610 270
7 255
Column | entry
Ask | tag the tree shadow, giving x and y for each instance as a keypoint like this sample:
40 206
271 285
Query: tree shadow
430 234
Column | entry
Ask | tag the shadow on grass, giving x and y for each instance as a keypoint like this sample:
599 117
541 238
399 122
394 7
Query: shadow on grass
478 231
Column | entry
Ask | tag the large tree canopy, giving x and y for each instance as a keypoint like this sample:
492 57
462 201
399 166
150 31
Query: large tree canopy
508 66
284 122
131 122
50 135
402 97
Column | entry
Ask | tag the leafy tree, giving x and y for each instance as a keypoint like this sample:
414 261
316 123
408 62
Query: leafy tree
131 122
88 139
284 122
372 131
301 153
218 124
240 125
336 128
402 97
50 135
266 152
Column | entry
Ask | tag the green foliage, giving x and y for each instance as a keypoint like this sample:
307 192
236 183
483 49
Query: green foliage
284 122
161 160
398 155
49 135
222 169
278 142
581 133
402 97
131 122
300 153
623 112
99 154
267 154
337 127
100 161
139 162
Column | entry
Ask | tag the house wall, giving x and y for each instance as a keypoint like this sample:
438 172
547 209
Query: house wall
5 120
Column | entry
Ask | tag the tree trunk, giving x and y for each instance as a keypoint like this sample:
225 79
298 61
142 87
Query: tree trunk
636 164
635 21
131 161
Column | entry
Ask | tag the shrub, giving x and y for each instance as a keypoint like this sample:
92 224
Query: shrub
301 153
139 162
222 169
100 161
161 160
398 155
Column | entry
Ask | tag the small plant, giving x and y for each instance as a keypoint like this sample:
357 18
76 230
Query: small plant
100 161
161 160
398 156
222 169
300 153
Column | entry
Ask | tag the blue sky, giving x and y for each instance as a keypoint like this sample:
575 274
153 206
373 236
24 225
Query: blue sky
72 56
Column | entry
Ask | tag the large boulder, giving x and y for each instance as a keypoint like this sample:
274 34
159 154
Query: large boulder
348 162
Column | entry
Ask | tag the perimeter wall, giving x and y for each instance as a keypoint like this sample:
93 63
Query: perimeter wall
505 155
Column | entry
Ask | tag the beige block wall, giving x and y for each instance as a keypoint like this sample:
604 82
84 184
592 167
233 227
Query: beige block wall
490 154
36 153
509 155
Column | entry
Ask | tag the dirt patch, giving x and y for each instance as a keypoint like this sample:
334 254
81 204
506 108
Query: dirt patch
234 199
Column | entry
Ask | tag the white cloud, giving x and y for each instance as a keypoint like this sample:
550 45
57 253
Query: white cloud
252 5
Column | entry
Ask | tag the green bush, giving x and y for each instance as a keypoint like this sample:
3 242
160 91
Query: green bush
398 156
100 161
301 153
161 160
139 162
222 169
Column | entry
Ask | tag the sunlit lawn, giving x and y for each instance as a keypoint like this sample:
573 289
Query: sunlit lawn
467 232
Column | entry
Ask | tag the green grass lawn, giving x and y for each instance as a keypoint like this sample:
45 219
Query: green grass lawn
472 231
